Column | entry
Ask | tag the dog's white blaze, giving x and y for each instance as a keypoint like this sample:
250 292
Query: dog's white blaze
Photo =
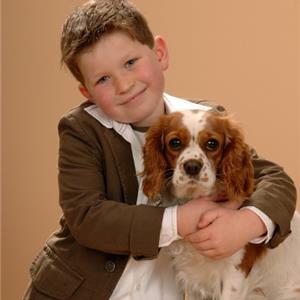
195 122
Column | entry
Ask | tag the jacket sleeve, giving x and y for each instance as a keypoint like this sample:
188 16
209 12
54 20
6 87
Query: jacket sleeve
275 195
96 222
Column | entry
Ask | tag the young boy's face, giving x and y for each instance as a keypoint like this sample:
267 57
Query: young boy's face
125 78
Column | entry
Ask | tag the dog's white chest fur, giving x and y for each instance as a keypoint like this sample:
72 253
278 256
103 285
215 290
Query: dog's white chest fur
203 278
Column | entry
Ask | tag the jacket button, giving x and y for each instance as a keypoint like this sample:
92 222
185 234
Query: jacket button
110 266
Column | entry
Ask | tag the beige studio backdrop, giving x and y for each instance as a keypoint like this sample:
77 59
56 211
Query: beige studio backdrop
242 54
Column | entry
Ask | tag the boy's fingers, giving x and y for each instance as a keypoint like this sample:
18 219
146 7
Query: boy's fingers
212 254
198 237
204 246
208 217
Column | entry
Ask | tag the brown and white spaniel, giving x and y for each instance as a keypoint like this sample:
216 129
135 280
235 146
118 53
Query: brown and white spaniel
197 153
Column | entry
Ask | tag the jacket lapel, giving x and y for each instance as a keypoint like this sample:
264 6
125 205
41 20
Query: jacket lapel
121 151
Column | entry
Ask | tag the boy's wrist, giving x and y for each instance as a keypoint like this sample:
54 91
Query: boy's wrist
257 227
270 226
188 214
168 232
180 231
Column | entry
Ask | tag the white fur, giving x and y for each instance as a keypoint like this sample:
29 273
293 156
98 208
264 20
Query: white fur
202 277
195 122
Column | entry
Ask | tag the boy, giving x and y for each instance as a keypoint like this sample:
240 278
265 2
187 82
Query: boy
109 243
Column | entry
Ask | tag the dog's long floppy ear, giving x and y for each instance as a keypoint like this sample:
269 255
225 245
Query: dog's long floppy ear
155 164
236 169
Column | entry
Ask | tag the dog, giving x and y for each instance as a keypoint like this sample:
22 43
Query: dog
196 153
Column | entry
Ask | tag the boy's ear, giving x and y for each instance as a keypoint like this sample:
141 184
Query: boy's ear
83 90
161 50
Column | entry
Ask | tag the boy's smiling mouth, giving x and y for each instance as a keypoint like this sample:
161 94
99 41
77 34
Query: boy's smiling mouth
134 97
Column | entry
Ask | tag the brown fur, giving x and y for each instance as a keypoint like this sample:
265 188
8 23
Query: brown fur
235 168
253 252
156 161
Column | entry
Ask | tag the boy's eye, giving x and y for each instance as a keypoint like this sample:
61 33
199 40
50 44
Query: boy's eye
130 62
102 79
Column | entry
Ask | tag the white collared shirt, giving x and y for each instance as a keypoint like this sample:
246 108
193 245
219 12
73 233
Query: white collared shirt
154 279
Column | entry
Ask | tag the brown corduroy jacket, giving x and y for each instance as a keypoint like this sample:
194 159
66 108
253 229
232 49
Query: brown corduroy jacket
101 225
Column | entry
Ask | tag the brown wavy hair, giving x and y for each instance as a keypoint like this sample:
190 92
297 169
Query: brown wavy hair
88 23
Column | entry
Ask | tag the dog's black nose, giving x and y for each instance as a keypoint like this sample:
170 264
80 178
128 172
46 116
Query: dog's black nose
192 167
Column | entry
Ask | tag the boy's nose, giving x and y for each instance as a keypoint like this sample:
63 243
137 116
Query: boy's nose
124 84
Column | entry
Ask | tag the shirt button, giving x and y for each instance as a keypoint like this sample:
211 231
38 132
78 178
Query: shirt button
110 266
138 287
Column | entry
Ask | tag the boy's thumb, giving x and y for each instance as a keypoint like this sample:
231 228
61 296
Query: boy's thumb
207 218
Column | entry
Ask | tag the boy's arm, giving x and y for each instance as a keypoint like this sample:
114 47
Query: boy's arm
275 195
86 179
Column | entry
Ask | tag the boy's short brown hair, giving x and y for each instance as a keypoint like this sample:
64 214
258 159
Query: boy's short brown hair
90 22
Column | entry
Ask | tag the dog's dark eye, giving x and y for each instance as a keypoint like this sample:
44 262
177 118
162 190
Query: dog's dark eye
212 145
175 144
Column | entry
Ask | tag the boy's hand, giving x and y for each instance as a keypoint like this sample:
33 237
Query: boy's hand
188 215
224 231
